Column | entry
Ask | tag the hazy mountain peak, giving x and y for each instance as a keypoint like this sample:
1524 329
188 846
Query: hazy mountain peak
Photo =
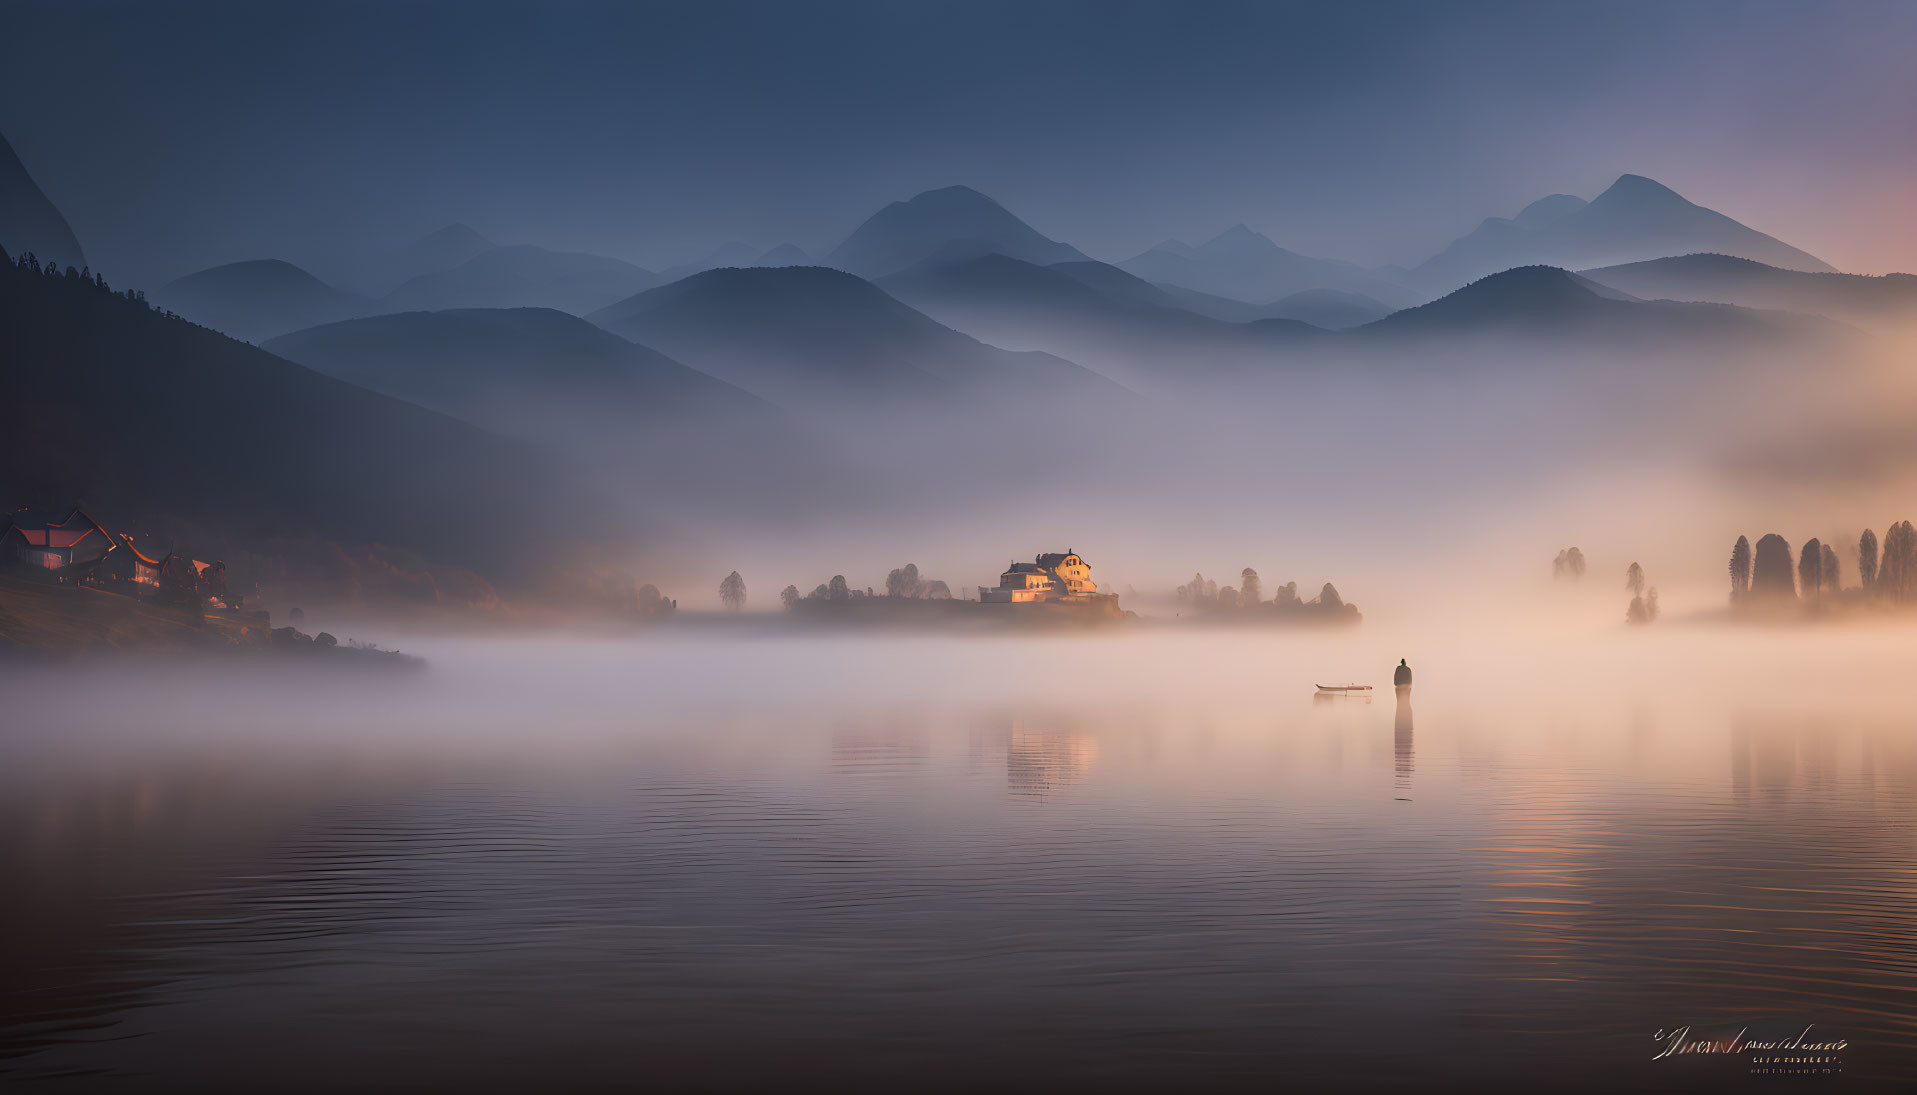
818 337
257 298
1538 285
906 233
1240 264
454 235
952 197
1238 240
443 249
1635 219
1547 209
1640 188
259 270
1176 247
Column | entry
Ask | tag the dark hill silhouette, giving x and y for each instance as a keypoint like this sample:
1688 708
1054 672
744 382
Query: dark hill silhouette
1544 301
258 299
524 276
1109 318
442 250
1328 308
521 371
807 336
906 233
1241 264
1635 219
141 414
29 221
1727 279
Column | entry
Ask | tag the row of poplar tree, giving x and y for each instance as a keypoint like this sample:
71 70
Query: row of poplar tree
1769 574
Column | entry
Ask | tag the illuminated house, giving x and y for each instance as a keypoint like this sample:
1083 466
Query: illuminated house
71 545
130 564
1051 579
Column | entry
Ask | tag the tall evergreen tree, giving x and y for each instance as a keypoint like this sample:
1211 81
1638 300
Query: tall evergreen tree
1833 578
1250 590
732 592
1897 570
1867 559
1771 569
1810 570
1634 580
1740 569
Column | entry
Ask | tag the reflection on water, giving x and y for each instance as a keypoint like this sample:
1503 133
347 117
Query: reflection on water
1115 885
1046 759
1403 758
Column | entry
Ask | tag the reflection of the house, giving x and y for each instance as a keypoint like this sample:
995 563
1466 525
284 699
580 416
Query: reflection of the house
1046 758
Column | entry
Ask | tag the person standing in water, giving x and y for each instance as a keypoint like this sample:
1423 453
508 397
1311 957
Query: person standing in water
1402 677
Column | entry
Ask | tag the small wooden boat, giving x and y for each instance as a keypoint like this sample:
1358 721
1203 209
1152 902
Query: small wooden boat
1344 688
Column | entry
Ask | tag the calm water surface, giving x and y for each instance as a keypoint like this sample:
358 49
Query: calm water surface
1140 863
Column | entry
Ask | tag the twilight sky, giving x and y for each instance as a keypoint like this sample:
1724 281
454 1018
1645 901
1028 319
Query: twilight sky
177 135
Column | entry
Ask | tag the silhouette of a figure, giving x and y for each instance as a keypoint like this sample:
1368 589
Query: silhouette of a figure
1401 725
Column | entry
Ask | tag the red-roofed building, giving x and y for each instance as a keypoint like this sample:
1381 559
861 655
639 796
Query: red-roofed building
64 546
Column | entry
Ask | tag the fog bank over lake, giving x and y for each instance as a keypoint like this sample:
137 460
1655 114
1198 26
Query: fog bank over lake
1153 856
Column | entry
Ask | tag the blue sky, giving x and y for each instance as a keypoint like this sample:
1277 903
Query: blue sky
179 135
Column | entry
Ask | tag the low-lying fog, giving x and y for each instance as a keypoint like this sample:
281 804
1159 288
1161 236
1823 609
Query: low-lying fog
1401 479
707 856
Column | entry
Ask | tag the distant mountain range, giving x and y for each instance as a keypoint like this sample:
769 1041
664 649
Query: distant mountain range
1244 265
29 221
1088 312
955 222
815 338
1331 309
524 276
530 372
1727 279
741 255
1634 219
442 250
265 298
1547 302
258 299
141 414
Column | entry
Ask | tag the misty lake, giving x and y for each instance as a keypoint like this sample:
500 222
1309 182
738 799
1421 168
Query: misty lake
1139 861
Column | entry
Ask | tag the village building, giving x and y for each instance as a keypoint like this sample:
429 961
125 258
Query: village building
66 547
129 564
1052 578
76 548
